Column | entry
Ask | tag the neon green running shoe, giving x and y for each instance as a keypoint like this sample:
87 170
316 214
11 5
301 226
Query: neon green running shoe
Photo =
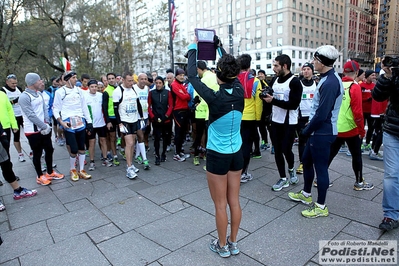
300 197
315 211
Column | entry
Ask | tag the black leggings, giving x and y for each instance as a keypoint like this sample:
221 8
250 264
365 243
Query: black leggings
76 141
377 134
181 123
248 128
8 173
354 146
200 124
38 143
283 137
302 121
370 126
160 130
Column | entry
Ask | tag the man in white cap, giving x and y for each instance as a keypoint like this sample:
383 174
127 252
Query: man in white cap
321 131
37 128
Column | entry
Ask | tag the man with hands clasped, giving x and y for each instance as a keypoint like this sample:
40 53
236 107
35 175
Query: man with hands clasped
37 128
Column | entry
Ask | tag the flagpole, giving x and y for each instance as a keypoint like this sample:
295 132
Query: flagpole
171 37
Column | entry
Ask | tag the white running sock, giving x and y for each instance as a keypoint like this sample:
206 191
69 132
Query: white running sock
306 194
320 206
72 161
82 161
137 154
142 150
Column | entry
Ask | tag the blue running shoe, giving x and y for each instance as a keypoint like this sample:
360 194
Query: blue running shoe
223 252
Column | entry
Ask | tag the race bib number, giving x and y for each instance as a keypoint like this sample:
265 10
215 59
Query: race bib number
278 96
131 108
76 122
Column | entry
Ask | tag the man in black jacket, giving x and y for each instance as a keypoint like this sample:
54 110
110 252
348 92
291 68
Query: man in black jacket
387 87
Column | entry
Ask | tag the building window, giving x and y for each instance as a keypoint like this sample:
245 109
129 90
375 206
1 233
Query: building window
300 6
300 18
220 20
269 32
268 7
293 29
294 3
258 34
238 26
280 42
238 6
279 17
258 45
300 30
257 10
269 66
293 54
247 2
279 4
269 20
268 43
293 42
248 46
247 13
248 24
280 30
269 55
300 42
294 17
258 66
300 55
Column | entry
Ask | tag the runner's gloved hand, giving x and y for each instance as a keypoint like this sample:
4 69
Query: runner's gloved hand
46 130
89 127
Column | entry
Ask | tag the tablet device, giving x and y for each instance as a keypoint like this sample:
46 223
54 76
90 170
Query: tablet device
206 48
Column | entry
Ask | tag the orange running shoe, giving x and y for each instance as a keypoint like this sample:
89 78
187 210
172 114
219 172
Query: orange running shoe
54 175
74 175
84 175
42 180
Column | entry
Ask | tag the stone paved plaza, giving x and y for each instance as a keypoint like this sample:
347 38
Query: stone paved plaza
166 216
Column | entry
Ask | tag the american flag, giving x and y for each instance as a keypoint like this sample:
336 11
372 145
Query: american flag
173 18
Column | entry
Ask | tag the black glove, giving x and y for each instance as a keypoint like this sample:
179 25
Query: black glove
217 42
89 127
196 99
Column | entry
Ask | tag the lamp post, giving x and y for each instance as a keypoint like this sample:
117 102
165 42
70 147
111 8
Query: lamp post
231 29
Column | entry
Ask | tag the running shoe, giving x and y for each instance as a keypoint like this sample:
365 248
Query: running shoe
130 173
2 207
300 197
386 224
118 142
168 148
74 175
196 160
157 160
122 153
245 177
281 183
84 175
21 157
376 156
138 160
184 155
146 165
299 170
106 163
25 193
115 161
163 158
315 183
223 252
257 155
42 180
293 177
177 157
315 211
363 186
92 166
234 250
109 157
135 169
54 175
